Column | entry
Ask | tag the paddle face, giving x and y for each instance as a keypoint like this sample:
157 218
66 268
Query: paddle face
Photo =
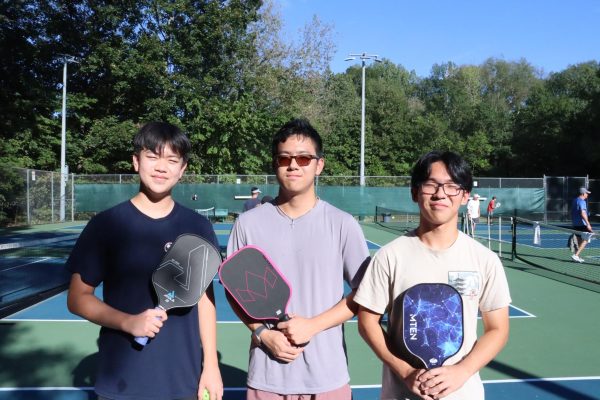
256 284
433 322
185 272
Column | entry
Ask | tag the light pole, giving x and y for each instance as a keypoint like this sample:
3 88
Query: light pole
64 171
363 57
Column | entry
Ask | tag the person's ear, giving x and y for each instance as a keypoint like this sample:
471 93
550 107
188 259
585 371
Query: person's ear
183 168
320 166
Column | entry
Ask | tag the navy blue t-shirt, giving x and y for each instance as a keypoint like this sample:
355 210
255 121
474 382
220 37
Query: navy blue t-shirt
121 247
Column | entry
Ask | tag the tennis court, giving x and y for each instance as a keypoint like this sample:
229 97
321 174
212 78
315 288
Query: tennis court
553 351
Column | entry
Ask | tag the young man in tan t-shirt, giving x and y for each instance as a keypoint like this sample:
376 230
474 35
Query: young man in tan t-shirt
435 252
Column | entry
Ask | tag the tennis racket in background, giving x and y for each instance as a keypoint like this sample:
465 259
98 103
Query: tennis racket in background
256 285
184 274
433 326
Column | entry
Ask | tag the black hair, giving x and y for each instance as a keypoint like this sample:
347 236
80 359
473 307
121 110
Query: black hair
457 167
155 135
301 127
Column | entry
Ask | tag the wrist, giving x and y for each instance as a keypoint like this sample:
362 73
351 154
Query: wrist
256 334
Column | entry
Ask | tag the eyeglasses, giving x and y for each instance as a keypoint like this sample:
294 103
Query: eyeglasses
284 160
450 189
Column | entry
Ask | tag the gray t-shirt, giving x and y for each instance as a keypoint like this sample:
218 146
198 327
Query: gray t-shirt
316 252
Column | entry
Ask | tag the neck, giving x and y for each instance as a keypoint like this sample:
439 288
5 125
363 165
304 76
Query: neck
438 237
153 207
296 206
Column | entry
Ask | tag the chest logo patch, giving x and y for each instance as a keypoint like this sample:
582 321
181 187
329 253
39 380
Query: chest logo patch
466 282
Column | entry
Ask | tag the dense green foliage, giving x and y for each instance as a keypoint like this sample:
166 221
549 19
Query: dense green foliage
221 71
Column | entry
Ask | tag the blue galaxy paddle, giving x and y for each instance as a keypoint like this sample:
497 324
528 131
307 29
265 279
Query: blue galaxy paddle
433 322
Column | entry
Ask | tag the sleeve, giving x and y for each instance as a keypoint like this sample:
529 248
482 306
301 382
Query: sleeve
237 238
355 253
583 206
374 289
495 292
88 257
207 231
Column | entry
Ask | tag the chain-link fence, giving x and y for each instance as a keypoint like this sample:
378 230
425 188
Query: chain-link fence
29 197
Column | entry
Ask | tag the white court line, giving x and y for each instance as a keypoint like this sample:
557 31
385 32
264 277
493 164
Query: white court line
29 263
529 315
376 244
575 378
376 386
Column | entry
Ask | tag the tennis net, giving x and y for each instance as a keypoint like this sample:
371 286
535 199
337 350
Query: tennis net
33 270
551 247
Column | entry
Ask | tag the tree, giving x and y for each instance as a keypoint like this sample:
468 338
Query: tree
557 125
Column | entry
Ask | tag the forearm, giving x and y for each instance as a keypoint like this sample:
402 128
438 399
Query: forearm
210 380
586 220
207 317
336 315
83 302
488 346
374 335
91 308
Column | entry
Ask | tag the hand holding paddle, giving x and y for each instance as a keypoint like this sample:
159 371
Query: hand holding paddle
261 291
298 330
184 274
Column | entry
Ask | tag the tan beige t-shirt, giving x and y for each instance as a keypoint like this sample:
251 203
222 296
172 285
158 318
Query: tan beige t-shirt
475 271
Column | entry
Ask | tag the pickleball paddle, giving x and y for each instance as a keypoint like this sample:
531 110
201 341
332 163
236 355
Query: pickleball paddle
184 274
433 322
255 283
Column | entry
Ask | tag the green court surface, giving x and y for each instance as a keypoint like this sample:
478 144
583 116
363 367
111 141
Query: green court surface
553 351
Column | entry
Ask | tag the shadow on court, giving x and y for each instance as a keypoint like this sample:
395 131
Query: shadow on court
84 374
552 387
62 357
28 364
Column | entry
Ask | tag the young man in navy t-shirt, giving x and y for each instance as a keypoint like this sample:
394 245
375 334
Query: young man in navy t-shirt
120 248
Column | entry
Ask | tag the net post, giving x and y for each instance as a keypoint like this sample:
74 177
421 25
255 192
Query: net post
489 236
500 237
513 224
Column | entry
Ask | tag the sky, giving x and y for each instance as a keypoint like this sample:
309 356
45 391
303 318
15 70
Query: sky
549 34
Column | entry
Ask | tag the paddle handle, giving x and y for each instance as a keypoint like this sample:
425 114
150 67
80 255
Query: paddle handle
143 340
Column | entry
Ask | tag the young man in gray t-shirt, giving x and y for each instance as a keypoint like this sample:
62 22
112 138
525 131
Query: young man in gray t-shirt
317 247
